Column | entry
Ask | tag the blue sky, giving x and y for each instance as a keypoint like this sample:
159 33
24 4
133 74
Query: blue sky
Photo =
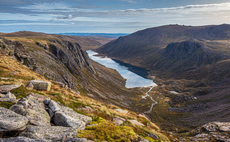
108 16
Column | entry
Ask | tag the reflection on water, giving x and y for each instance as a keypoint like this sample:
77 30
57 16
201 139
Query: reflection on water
136 77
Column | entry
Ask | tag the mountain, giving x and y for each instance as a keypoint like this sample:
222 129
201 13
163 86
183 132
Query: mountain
191 68
105 35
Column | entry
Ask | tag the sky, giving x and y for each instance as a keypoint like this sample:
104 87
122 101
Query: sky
108 16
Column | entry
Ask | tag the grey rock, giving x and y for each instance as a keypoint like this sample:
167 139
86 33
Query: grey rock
11 121
10 95
154 136
46 101
33 110
122 111
61 119
220 136
119 121
211 127
10 100
54 106
22 139
7 88
217 126
135 122
54 133
41 85
86 108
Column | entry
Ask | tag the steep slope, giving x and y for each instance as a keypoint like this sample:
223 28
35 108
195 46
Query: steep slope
102 127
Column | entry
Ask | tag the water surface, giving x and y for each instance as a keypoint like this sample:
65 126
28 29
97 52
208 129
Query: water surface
136 77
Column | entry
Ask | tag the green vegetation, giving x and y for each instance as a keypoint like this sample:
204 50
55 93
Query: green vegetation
6 104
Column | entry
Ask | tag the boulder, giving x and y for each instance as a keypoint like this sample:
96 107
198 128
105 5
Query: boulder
118 120
55 107
122 111
10 100
210 127
86 108
22 139
61 119
10 95
41 85
220 137
7 88
54 133
33 110
135 122
11 121
2 95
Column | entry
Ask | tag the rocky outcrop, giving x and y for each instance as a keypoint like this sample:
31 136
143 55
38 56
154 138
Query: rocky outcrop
9 97
33 110
11 121
18 51
54 133
40 85
213 131
118 121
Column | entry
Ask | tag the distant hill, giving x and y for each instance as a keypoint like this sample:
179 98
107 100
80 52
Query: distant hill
194 61
106 35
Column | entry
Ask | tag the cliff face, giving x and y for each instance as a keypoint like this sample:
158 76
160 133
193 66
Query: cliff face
60 60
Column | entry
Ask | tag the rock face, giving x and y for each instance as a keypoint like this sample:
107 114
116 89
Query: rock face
7 88
41 85
11 121
54 133
22 139
33 110
18 51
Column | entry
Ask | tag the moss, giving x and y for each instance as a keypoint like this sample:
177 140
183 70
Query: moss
108 132
20 92
6 104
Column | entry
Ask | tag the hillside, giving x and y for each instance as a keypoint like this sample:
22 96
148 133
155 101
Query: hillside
192 61
27 110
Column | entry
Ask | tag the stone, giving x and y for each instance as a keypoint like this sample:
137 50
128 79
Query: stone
223 126
30 86
4 78
86 108
10 95
118 121
33 110
61 119
41 85
10 100
154 136
135 122
77 140
54 133
11 121
54 106
7 88
46 101
22 139
122 111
